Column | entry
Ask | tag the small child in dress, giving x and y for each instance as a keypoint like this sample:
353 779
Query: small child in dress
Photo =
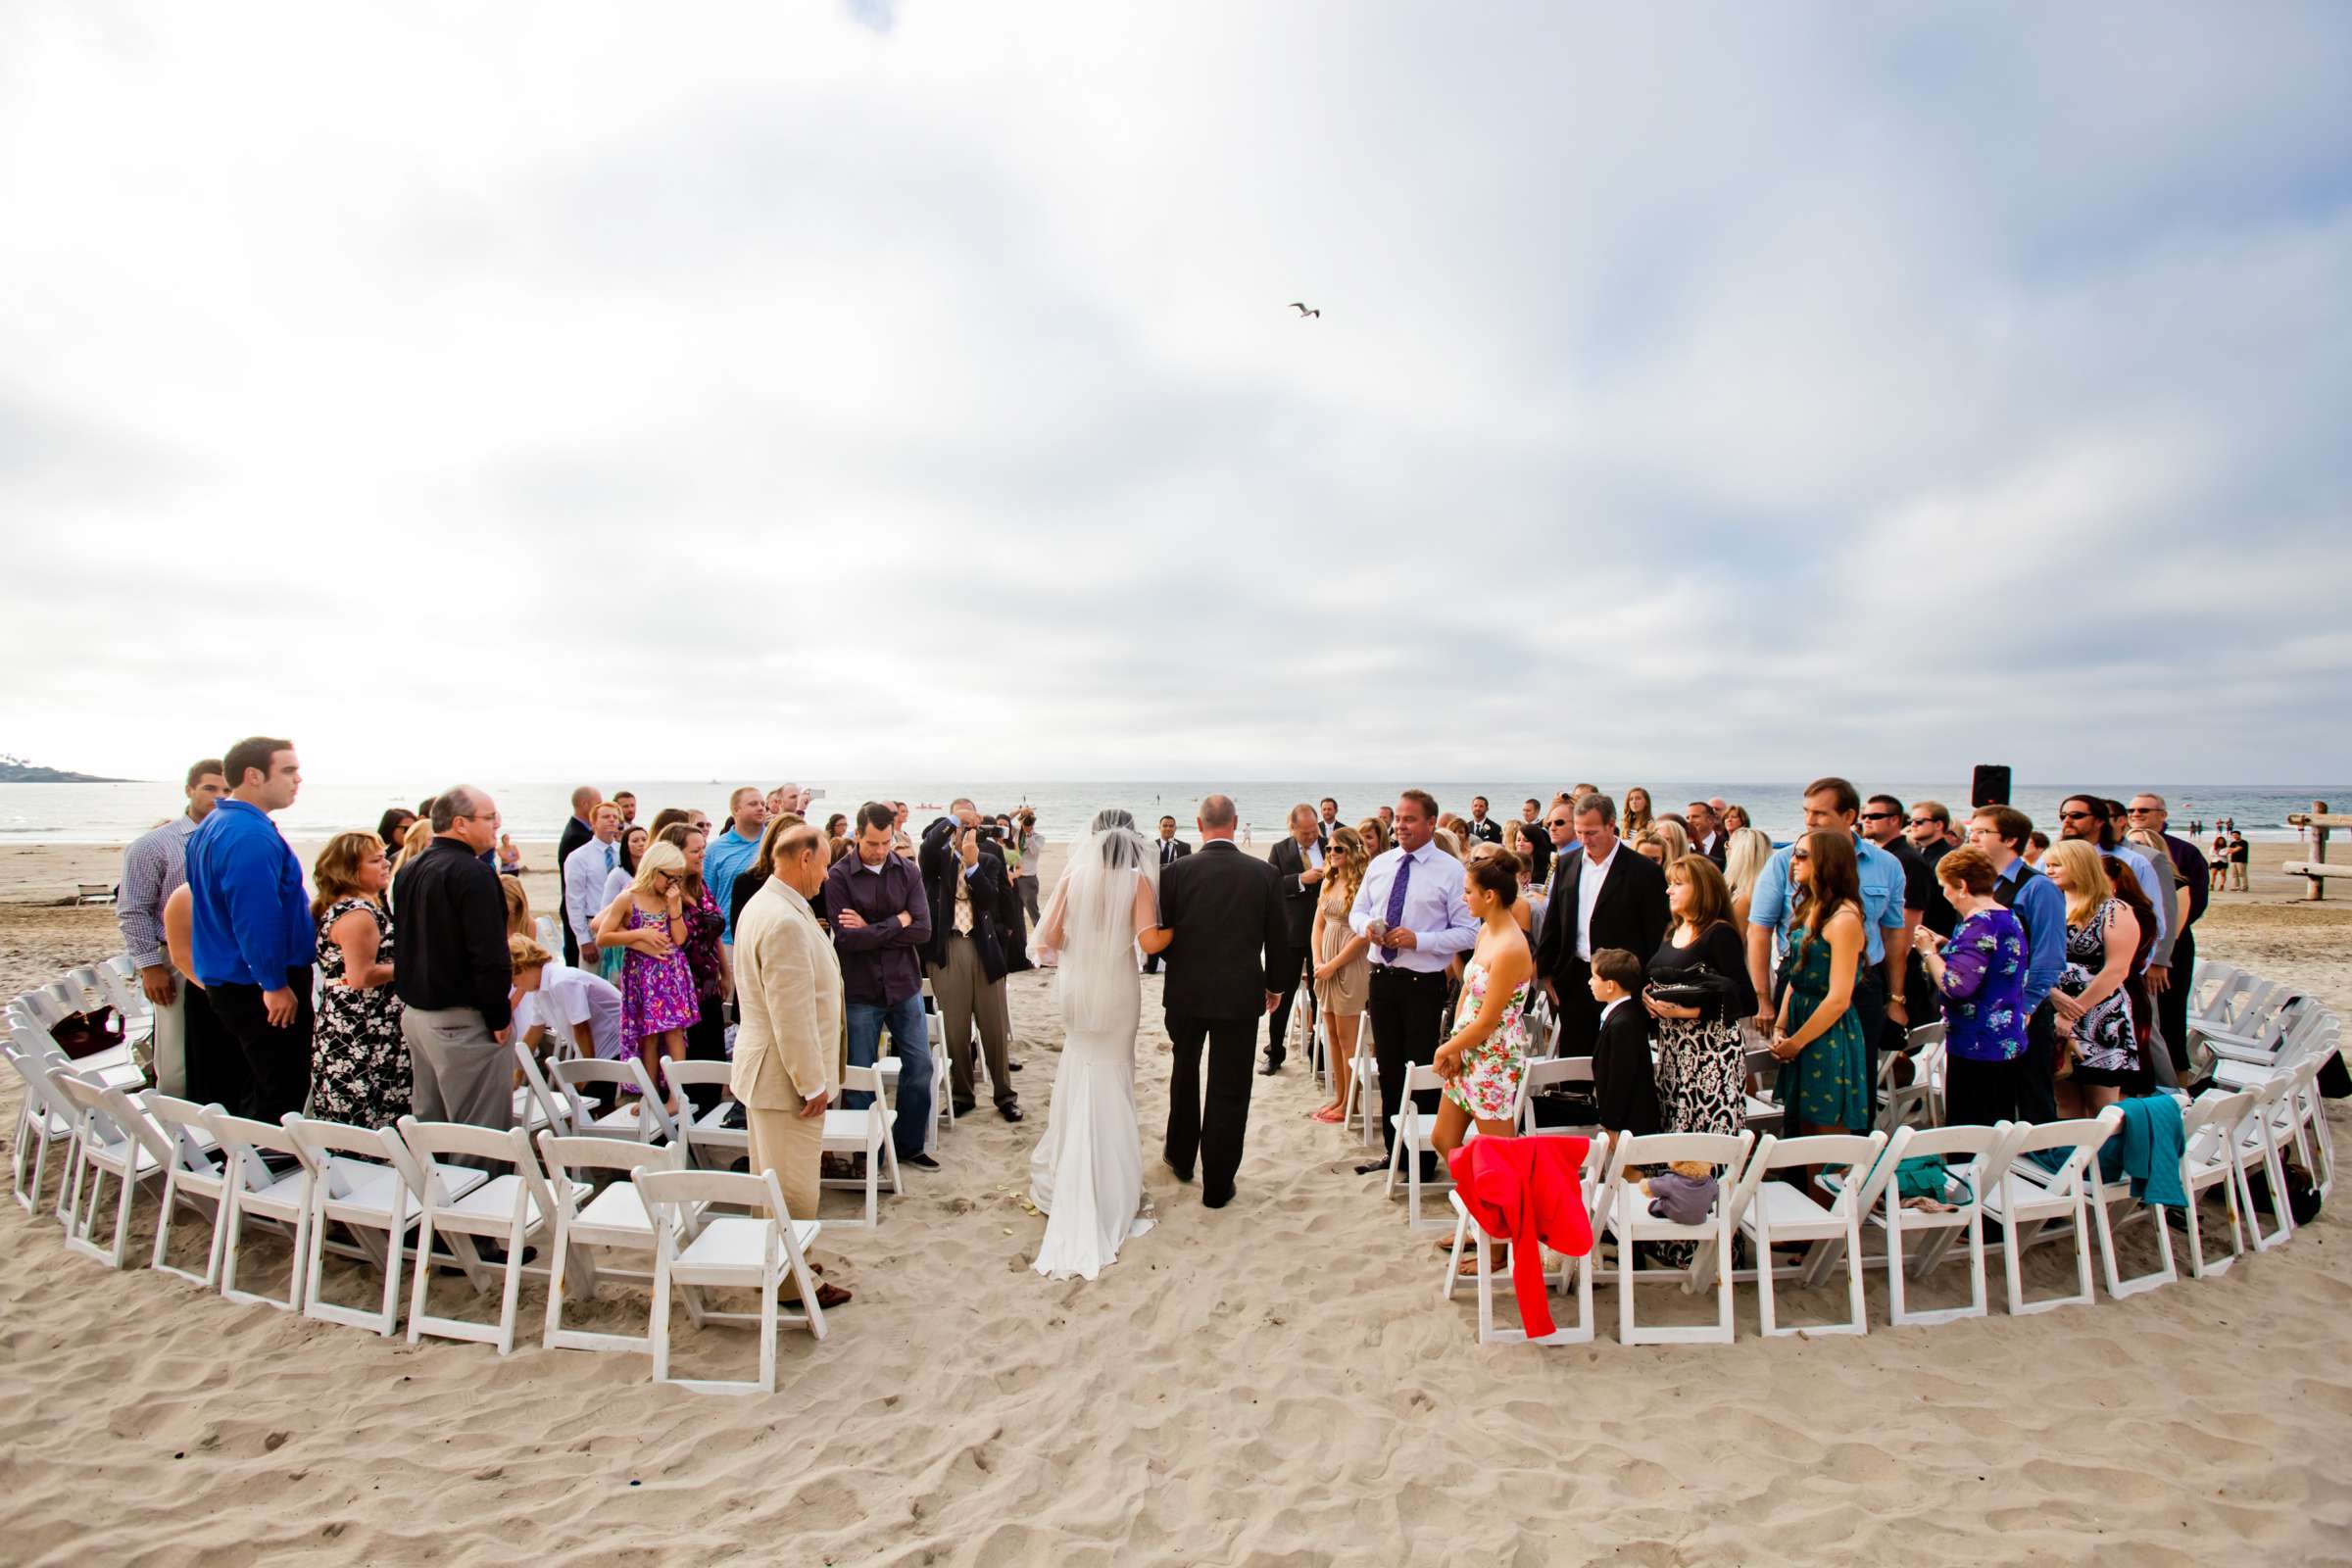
1684 1192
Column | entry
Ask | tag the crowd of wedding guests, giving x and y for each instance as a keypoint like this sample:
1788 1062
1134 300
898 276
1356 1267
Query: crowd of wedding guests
1668 945
394 977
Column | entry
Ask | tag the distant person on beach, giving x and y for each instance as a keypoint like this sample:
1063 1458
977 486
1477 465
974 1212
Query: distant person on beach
2242 860
359 1062
585 869
2216 869
578 829
189 1042
452 969
253 937
736 848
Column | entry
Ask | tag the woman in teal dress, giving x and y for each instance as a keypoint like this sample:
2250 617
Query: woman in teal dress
1824 1061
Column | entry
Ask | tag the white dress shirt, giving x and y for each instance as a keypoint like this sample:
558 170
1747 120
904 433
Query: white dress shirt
583 888
569 997
1434 912
1589 879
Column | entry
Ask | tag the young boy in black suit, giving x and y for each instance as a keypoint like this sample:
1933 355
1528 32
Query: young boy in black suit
1623 1085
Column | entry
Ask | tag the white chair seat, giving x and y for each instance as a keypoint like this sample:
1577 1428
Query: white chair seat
1631 1199
617 1208
852 1131
493 1200
1422 1134
735 1243
2021 1198
1792 1212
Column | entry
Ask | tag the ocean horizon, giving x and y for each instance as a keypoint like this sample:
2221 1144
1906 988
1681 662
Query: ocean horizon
535 810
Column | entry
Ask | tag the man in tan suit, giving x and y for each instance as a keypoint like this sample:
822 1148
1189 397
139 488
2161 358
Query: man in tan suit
788 993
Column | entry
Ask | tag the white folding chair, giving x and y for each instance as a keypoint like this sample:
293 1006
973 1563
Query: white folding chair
1415 1134
614 1219
1364 1071
510 1208
2208 1160
1913 1104
278 1197
935 1030
754 1251
1980 1155
1773 1211
198 1176
1543 1074
1576 1331
107 1142
366 1180
864 1132
1629 1221
2290 1035
2300 1117
2049 1194
2256 1143
2103 1201
642 1116
44 1120
710 1142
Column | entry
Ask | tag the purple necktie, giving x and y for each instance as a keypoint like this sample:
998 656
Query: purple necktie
1404 875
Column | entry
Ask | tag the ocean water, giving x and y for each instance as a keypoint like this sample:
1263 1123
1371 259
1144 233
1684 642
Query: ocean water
113 813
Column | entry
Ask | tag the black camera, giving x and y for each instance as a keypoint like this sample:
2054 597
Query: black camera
987 833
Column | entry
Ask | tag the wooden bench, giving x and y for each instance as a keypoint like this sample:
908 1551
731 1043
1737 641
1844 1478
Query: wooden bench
2319 820
93 893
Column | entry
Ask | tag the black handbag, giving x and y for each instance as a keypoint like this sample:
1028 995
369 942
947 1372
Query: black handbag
1696 987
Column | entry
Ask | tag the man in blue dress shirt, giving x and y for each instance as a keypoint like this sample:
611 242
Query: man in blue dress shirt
1832 804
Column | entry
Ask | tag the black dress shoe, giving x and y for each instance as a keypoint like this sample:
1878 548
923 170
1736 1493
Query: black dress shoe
1216 1200
1009 1111
1014 1065
1366 1170
1179 1172
1273 1065
964 1107
919 1162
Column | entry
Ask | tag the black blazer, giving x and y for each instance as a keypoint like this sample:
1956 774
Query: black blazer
1225 909
1630 915
996 906
1297 898
1170 851
1624 1090
1489 831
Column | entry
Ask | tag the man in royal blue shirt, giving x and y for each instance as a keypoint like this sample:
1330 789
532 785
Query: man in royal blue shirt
2000 831
250 925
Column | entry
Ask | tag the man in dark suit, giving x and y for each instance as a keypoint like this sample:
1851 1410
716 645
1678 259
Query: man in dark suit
1603 895
1298 863
1222 912
576 832
1171 850
1707 836
972 905
1483 827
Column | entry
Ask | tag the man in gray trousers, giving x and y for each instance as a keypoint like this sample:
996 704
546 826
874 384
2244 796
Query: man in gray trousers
451 969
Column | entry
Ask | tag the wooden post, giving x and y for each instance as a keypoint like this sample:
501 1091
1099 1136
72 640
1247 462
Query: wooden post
2319 851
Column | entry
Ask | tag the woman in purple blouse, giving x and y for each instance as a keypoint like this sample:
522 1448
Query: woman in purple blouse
1979 972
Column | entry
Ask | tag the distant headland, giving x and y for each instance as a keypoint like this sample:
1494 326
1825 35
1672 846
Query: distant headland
16 770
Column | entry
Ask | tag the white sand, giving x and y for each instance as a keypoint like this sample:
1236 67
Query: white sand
1276 1383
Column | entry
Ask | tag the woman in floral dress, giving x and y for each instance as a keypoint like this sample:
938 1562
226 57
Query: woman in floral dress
358 1063
705 955
1487 1056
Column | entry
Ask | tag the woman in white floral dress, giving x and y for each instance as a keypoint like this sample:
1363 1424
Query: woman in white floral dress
1487 1056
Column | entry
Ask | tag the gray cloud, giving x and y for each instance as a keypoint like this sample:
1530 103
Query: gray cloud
1735 397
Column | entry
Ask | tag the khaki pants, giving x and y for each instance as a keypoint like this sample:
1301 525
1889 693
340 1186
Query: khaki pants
966 995
792 1146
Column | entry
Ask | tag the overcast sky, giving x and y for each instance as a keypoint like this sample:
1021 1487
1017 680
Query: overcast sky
883 389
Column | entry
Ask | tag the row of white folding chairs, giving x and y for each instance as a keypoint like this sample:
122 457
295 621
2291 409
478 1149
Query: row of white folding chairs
2229 1138
390 1182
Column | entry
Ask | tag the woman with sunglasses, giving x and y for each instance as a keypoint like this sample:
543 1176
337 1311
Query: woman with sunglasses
1824 1082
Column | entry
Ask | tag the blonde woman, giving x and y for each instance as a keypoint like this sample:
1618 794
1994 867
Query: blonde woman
419 839
1342 963
1674 835
358 1064
520 923
1375 835
1746 851
656 986
2092 1008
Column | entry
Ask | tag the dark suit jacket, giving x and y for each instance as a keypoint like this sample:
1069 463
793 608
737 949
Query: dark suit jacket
996 906
1624 1089
1630 915
1722 850
1297 898
1171 851
1489 831
1226 911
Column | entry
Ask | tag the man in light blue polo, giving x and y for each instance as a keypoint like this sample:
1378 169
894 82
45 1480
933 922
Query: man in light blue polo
1829 803
734 849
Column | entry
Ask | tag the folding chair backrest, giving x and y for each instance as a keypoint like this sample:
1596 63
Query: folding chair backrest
1858 1154
708 1074
862 1080
1420 1076
322 1140
756 1192
570 1075
429 1141
33 1071
1727 1149
2082 1136
182 1121
42 1008
85 1100
564 1155
83 986
247 1138
2210 1121
557 1108
1542 1074
1925 1035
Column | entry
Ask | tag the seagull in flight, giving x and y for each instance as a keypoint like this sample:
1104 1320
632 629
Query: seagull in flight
1304 313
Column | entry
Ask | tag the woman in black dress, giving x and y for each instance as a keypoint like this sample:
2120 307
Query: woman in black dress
1702 1068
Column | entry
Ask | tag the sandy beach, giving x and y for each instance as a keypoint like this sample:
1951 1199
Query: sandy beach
1276 1383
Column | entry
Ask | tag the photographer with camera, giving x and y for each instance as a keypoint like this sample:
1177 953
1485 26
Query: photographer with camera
973 905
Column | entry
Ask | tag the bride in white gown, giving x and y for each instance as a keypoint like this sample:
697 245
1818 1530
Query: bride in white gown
1086 1173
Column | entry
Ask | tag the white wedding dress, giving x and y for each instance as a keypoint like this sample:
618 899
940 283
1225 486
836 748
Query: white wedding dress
1085 1175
